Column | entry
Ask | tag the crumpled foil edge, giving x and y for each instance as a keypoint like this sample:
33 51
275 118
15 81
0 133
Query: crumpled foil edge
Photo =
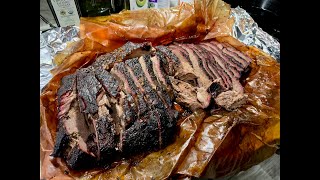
246 30
51 42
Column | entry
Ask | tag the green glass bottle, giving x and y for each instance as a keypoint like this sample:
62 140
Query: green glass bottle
126 4
92 8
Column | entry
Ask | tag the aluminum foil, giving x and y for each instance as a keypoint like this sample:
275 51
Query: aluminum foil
246 30
51 42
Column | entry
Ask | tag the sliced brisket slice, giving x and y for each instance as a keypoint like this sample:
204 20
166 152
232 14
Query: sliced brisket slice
151 96
67 84
213 65
66 95
162 78
200 58
130 88
146 65
217 64
234 70
203 79
142 136
229 48
127 51
190 96
126 88
62 141
126 110
105 127
177 47
107 138
130 100
73 127
142 103
165 62
87 88
166 125
185 70
80 127
219 75
227 55
204 58
129 110
172 59
234 55
149 133
135 69
108 81
213 49
240 54
169 54
74 130
225 66
79 160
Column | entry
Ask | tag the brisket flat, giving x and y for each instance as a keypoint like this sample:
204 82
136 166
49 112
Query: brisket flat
122 104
